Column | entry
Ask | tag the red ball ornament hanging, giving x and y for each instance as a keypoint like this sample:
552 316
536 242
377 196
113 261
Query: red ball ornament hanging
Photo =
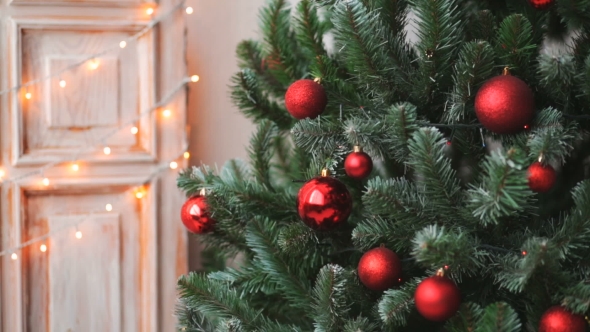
379 269
195 215
306 99
437 298
504 104
358 165
558 319
541 4
324 203
541 177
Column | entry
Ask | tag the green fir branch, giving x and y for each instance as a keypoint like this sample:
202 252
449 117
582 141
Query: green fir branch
402 119
557 74
434 175
503 190
576 298
514 43
330 305
309 28
261 151
499 317
553 141
436 247
396 304
250 56
439 32
475 64
261 236
253 102
360 324
466 319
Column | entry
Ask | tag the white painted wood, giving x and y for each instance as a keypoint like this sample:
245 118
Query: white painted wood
121 275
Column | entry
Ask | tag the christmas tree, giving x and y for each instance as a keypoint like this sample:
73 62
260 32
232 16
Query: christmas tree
432 183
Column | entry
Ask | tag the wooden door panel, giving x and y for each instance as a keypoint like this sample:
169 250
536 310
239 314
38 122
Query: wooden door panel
110 3
83 284
99 95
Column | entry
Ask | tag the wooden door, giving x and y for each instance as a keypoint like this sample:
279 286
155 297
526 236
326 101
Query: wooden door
76 168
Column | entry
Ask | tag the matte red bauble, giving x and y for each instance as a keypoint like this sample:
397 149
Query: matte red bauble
437 298
504 104
541 177
558 319
379 269
358 165
195 215
306 99
541 4
324 203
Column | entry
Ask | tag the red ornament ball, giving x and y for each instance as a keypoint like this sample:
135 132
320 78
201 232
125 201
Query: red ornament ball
379 269
358 165
437 298
195 215
541 4
324 203
504 104
558 319
541 177
306 99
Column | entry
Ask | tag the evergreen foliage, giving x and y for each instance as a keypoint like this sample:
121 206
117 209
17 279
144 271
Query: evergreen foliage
465 206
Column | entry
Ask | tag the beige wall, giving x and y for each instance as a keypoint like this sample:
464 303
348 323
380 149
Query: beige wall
218 131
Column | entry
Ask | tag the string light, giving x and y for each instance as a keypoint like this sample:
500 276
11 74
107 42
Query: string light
134 130
139 194
195 78
78 235
167 113
14 256
122 44
45 182
93 64
189 10
109 207
149 11
62 83
173 165
43 248
106 150
75 167
186 155
28 95
2 173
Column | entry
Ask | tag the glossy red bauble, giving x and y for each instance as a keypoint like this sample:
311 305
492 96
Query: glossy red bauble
379 269
504 104
195 215
541 4
358 165
306 99
558 319
437 298
324 203
541 177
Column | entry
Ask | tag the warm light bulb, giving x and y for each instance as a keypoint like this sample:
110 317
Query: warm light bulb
189 10
134 130
78 235
122 44
187 155
195 78
43 248
106 150
167 113
109 207
173 165
149 11
139 195
62 83
93 64
2 173
28 95
46 182
75 167
14 256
